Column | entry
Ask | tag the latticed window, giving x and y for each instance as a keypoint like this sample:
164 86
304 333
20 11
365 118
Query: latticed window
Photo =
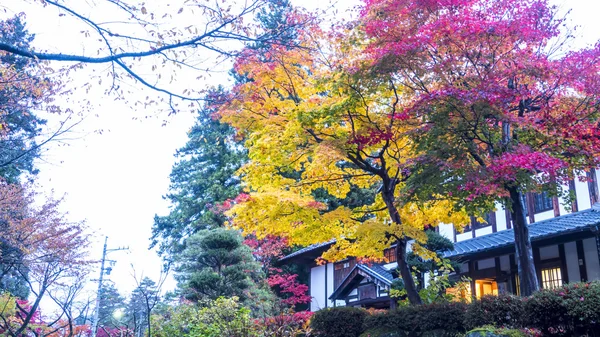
541 201
390 254
551 278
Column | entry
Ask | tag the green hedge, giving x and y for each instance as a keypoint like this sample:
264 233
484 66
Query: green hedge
502 311
338 322
440 319
572 310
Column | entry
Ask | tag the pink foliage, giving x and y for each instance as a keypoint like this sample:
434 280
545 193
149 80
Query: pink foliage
481 67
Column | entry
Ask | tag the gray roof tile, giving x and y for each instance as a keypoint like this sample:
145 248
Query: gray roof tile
307 249
570 223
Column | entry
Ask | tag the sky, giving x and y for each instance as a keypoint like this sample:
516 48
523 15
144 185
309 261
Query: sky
115 180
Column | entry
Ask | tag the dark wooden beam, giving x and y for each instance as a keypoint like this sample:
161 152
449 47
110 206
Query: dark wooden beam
536 262
529 199
555 206
472 277
573 191
563 263
493 221
592 186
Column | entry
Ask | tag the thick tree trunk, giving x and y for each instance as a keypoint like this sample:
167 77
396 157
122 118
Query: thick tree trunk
409 282
524 254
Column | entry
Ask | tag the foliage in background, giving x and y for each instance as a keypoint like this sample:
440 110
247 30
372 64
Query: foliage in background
221 317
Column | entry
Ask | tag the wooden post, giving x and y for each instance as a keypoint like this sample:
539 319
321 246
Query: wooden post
572 190
563 263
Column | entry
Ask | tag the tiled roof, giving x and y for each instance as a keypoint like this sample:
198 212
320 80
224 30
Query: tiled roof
307 249
378 271
570 223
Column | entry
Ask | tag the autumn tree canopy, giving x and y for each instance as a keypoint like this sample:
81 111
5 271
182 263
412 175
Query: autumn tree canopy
316 119
508 107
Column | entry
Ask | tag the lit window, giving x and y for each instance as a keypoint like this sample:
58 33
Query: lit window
485 287
551 278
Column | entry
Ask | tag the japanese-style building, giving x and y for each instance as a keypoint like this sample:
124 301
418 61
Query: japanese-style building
566 248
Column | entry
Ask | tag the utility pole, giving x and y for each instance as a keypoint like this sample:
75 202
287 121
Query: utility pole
100 279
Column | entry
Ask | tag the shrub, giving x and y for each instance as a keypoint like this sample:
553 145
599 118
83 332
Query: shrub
338 322
439 319
502 310
490 330
222 317
572 309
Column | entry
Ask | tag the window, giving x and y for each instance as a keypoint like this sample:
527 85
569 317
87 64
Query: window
551 278
541 202
485 287
390 255
476 224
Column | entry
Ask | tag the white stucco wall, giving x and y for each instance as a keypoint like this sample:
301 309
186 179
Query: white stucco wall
317 288
330 283
500 217
483 231
598 178
447 231
591 259
505 263
487 263
543 215
583 194
549 252
572 262
463 236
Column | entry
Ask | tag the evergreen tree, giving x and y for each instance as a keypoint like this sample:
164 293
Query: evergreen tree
215 263
203 178
110 302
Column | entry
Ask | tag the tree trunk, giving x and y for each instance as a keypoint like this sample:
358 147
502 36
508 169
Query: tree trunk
524 254
409 282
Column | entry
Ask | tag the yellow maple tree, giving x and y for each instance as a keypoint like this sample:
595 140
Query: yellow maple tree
315 118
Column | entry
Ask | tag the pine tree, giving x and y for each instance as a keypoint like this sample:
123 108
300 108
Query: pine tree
215 263
203 178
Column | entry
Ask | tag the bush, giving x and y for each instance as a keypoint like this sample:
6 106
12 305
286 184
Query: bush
572 309
222 317
338 322
502 310
492 331
438 319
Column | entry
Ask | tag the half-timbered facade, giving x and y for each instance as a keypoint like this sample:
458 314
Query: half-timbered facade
566 248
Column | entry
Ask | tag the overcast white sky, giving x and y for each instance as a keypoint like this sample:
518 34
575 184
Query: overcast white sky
115 181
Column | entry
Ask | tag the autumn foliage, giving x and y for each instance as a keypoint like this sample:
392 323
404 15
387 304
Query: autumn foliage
506 107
